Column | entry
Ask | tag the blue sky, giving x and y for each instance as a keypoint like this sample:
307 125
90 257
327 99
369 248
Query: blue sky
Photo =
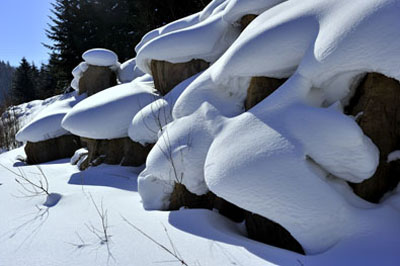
22 30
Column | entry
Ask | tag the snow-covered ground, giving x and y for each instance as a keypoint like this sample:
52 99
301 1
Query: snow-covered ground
32 234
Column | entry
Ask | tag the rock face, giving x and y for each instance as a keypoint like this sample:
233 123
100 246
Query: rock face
181 197
95 79
376 104
271 233
121 151
260 88
52 149
246 20
167 75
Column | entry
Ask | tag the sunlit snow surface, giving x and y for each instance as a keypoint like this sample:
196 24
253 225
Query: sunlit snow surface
47 123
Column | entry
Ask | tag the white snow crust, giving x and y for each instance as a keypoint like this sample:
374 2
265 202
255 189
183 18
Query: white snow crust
47 124
107 114
128 71
285 157
393 156
32 232
100 57
78 71
178 157
150 120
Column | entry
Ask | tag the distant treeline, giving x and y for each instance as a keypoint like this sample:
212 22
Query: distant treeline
78 25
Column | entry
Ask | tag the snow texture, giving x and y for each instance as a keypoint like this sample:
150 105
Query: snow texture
150 120
128 71
78 71
178 157
287 158
26 112
393 156
329 44
107 114
100 57
47 124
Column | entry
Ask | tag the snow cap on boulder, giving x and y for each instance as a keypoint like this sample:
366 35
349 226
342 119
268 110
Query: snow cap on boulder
108 114
100 57
47 124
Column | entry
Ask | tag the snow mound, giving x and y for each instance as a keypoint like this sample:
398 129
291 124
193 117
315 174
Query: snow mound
299 37
100 57
26 112
149 121
47 124
178 157
107 114
205 35
128 71
280 165
236 9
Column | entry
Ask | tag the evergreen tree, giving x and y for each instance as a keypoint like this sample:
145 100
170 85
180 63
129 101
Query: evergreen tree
6 75
46 83
118 25
23 84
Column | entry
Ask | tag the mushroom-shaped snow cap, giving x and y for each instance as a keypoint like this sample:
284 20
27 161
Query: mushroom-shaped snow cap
100 57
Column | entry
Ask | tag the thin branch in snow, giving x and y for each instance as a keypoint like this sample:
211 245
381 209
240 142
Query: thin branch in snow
171 252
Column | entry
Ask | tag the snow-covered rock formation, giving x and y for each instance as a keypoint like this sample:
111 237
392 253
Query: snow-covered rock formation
45 139
103 120
272 106
97 72
287 158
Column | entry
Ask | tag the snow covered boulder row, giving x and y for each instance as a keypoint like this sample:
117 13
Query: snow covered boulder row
103 120
187 46
376 108
45 139
128 71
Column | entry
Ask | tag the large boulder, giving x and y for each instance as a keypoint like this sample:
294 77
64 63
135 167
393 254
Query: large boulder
181 197
52 149
260 88
122 151
167 75
376 106
97 78
264 230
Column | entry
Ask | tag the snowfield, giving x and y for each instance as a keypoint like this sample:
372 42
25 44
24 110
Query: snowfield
35 235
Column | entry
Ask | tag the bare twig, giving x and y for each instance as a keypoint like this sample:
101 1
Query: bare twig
31 188
173 252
